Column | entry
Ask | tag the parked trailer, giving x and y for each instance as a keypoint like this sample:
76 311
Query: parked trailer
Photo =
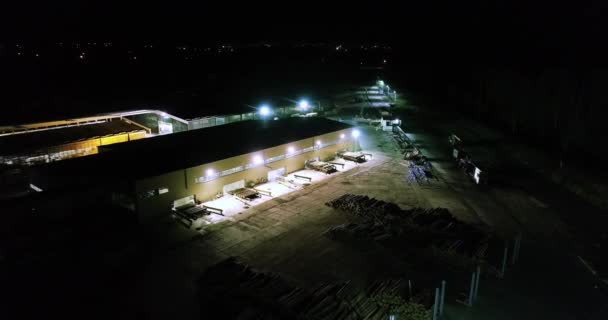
321 166
246 194
190 212
357 157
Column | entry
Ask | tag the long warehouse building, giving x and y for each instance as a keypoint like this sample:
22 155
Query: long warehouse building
150 175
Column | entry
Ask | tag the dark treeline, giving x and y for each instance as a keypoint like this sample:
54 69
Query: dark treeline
538 71
561 108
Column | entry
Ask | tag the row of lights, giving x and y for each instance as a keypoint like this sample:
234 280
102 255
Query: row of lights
258 160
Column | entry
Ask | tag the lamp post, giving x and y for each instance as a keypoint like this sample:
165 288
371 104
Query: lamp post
356 135
304 104
263 111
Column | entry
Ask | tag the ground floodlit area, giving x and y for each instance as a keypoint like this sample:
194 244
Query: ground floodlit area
276 189
232 206
288 234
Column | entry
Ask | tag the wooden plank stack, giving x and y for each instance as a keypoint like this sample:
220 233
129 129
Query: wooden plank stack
231 290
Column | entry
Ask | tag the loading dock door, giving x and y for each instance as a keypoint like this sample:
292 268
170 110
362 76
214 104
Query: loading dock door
183 201
274 174
233 186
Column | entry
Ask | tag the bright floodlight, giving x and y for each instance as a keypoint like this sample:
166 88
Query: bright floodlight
210 172
356 133
291 150
264 110
342 136
318 142
303 105
258 159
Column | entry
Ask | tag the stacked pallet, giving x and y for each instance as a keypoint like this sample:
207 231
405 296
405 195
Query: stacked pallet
231 290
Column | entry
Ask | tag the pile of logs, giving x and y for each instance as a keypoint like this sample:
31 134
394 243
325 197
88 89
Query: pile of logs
231 290
417 174
390 294
418 227
403 141
419 167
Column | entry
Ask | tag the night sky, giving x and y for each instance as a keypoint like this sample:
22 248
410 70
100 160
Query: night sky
544 22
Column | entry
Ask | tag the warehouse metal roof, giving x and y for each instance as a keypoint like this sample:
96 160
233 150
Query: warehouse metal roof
163 154
32 141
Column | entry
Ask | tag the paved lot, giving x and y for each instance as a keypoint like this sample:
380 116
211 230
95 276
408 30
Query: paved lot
285 234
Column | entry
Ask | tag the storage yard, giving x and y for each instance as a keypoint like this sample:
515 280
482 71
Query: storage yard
315 238
383 225
308 238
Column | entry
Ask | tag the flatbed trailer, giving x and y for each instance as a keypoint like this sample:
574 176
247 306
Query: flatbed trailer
190 212
246 194
357 157
321 166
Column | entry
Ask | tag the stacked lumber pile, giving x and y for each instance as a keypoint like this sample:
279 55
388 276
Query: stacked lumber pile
403 141
417 173
390 294
232 290
419 167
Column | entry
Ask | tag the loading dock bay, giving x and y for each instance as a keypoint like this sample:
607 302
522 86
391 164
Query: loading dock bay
230 205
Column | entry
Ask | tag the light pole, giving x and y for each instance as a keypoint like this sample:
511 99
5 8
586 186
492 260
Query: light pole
263 111
356 135
303 104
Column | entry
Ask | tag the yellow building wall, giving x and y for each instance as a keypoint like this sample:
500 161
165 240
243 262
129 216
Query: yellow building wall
137 135
93 144
117 138
182 183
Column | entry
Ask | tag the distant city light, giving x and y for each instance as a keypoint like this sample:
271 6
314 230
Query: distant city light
258 159
265 110
291 150
210 172
356 133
